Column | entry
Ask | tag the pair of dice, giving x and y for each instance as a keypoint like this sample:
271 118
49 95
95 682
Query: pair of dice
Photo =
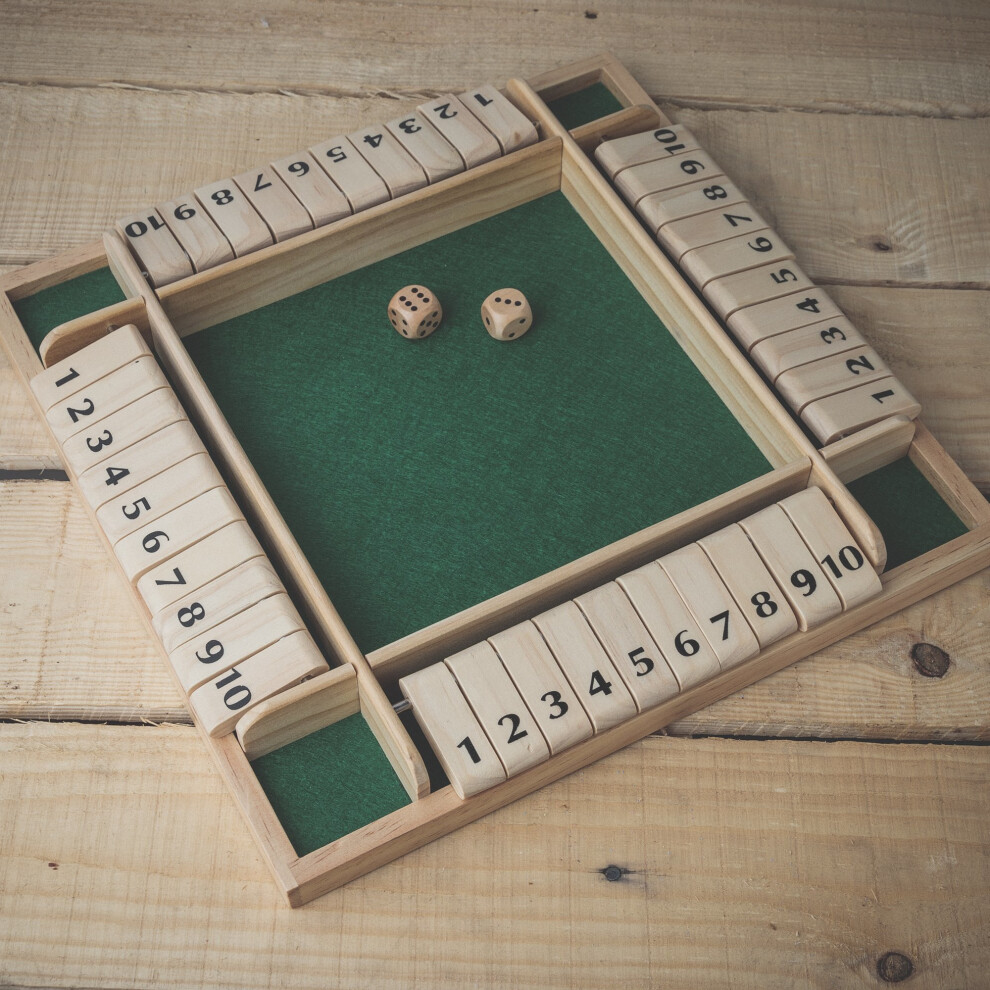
414 311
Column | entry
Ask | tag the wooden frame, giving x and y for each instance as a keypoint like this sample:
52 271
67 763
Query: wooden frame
369 684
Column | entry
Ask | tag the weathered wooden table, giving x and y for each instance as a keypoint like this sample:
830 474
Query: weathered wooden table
827 827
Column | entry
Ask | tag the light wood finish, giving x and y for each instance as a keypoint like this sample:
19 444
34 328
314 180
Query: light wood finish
473 141
199 236
671 625
735 254
825 534
658 176
167 490
622 123
543 686
780 353
355 178
593 677
313 188
833 417
788 312
198 565
225 645
795 570
734 292
661 208
219 703
143 460
284 215
398 169
436 156
501 117
727 630
299 711
944 475
648 146
871 448
457 738
218 600
627 641
89 406
70 337
147 415
71 375
829 375
155 247
718 225
750 583
233 213
162 539
499 708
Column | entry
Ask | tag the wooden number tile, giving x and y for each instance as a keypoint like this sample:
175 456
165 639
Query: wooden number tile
829 375
103 443
270 196
752 586
155 247
317 192
635 149
176 531
87 365
636 657
499 115
498 706
460 743
788 312
844 413
671 625
709 228
237 219
140 461
355 178
834 547
792 565
668 173
203 562
543 686
732 292
168 490
736 254
218 600
225 645
380 149
199 236
785 351
474 143
710 602
436 156
671 205
105 396
219 703
586 665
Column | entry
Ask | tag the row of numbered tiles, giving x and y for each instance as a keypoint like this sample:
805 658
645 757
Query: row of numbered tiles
531 691
228 626
233 217
814 357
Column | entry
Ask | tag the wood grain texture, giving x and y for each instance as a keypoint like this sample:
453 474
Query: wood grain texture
71 646
741 839
849 57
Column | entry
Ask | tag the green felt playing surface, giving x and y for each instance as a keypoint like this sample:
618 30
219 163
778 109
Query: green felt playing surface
585 105
422 477
60 303
909 513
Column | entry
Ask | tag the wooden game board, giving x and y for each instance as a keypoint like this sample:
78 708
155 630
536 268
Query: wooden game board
181 319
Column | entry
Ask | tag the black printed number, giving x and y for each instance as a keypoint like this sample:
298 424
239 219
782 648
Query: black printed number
760 244
184 212
65 379
176 578
804 579
715 192
783 275
214 651
136 228
444 112
642 664
238 696
336 154
222 197
599 685
514 734
722 617
87 410
153 542
687 647
831 333
100 442
259 185
765 605
114 475
859 364
299 168
850 559
692 167
373 139
667 137
468 748
136 506
190 615
409 125
555 702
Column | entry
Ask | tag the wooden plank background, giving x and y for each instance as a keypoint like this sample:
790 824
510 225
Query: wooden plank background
796 834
